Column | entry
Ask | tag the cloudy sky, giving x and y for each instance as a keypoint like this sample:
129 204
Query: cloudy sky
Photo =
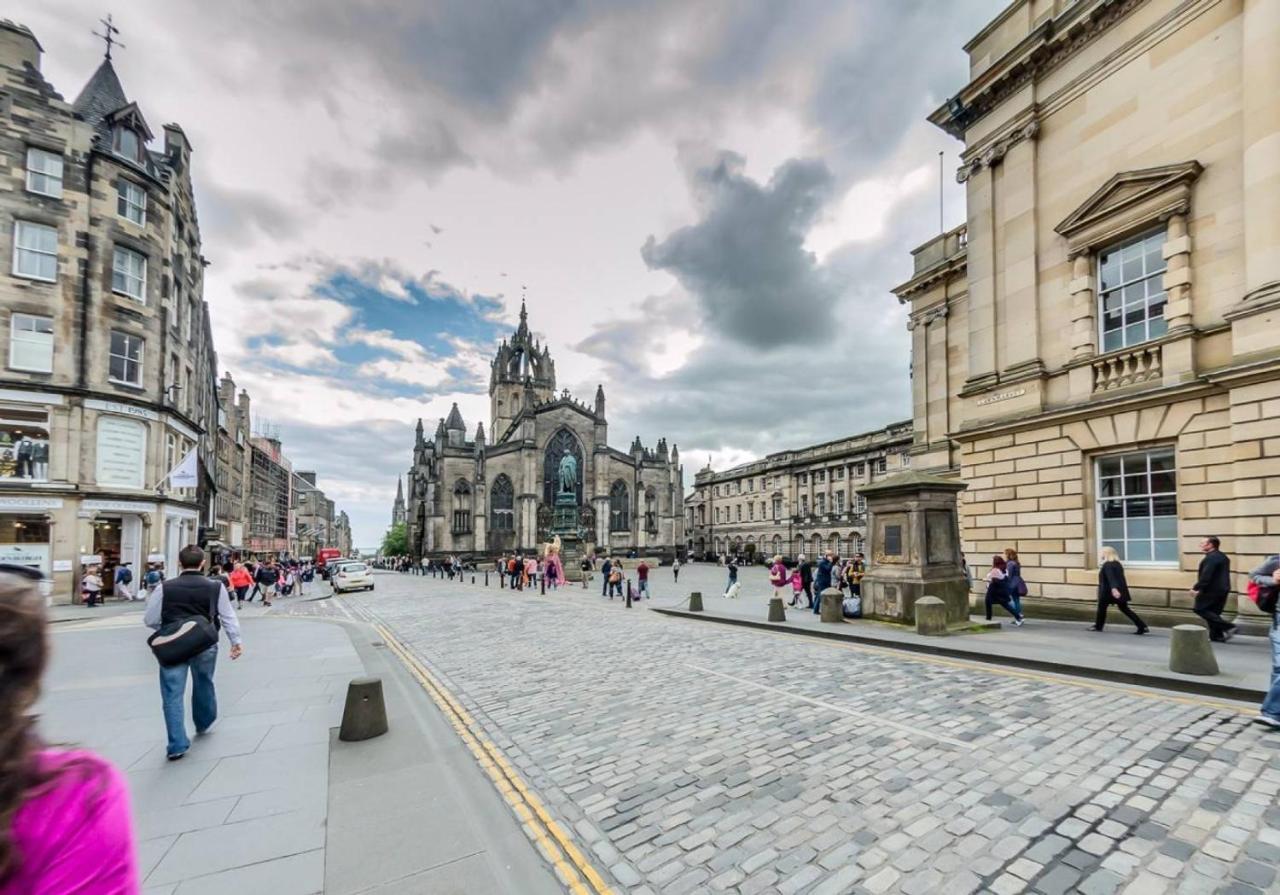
707 203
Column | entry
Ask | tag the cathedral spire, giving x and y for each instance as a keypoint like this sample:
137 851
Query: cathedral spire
600 400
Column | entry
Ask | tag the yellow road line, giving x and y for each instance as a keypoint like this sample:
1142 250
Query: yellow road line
550 837
1042 677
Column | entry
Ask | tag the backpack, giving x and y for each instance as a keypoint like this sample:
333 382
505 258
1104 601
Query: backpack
1263 597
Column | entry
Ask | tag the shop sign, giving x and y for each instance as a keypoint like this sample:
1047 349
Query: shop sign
34 555
9 394
30 503
133 410
122 450
118 506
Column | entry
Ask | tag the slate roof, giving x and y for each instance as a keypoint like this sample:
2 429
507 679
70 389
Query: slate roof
102 95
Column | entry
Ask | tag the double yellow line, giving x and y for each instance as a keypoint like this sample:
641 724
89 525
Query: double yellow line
554 843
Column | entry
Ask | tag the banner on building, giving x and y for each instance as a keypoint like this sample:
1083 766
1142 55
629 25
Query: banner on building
187 473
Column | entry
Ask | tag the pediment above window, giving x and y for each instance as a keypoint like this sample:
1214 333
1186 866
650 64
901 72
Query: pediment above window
130 116
1127 203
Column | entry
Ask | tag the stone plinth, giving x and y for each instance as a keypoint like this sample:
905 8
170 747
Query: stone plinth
695 601
914 548
364 715
776 611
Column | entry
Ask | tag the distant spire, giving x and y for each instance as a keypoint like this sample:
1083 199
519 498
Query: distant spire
110 31
455 420
399 489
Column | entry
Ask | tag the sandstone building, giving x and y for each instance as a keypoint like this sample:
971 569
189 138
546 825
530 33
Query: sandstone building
107 367
1097 351
793 502
472 496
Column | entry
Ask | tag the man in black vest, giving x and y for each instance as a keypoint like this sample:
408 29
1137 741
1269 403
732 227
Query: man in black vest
191 594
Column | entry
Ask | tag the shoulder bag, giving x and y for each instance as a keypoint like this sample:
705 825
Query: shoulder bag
182 640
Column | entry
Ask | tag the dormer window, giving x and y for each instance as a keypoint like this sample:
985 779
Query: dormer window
126 142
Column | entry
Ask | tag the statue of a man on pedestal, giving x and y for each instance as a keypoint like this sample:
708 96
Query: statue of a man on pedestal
568 474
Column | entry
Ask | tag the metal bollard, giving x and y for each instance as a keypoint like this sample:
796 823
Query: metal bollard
473 577
542 581
486 579
365 714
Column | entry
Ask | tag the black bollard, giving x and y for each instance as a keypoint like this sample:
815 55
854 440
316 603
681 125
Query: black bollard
543 580
628 593
473 577
486 579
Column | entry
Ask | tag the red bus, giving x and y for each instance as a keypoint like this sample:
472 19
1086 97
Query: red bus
324 554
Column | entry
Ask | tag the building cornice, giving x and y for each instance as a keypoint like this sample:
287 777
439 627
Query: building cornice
1047 47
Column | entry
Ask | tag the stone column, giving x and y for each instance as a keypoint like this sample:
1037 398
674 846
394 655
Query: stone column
982 283
1260 64
1019 307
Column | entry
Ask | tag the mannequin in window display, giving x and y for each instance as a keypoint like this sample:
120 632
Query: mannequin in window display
22 451
40 460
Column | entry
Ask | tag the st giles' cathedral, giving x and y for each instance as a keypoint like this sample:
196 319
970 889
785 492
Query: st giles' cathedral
477 496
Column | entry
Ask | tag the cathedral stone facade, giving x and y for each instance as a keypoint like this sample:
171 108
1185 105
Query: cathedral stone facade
472 496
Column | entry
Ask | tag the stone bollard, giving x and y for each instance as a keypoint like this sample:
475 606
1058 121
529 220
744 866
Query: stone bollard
1190 651
931 616
365 714
832 605
695 601
776 611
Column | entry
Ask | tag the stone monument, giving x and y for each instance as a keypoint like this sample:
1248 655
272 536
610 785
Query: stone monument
565 521
914 548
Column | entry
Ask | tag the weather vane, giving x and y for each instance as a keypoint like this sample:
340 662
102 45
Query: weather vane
111 31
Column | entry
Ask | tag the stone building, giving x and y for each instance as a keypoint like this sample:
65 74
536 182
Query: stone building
342 534
232 468
472 496
109 371
793 502
271 519
1097 351
314 516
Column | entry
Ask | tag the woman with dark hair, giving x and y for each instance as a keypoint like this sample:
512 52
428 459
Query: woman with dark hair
64 814
998 590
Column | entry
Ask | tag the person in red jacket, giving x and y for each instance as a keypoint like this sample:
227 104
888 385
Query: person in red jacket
642 576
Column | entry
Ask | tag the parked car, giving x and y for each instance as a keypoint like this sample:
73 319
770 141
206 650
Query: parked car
351 576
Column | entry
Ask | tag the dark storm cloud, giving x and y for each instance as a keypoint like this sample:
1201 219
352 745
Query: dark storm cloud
236 218
849 375
744 260
536 83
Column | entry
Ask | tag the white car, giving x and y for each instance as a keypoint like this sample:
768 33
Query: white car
352 576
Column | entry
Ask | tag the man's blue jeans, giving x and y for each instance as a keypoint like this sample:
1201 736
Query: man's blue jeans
204 703
1271 705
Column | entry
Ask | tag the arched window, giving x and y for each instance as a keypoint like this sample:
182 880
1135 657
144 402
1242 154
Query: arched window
619 507
461 507
502 516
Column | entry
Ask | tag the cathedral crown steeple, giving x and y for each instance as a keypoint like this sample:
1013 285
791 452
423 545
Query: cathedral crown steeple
521 365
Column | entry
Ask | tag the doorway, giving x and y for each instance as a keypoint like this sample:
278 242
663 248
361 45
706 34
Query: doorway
107 540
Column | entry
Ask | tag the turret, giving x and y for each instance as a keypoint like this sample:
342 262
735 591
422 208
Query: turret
600 401
455 428
479 437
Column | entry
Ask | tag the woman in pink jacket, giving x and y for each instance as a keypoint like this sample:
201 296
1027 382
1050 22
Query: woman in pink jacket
64 813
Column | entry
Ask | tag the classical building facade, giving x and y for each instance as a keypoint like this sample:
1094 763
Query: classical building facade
793 502
232 467
472 496
1097 351
314 516
107 368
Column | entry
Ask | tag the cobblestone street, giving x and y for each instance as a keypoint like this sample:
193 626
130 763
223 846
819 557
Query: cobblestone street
688 757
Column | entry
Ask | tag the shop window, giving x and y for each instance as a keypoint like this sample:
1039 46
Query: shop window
31 343
24 541
44 172
1137 506
24 444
